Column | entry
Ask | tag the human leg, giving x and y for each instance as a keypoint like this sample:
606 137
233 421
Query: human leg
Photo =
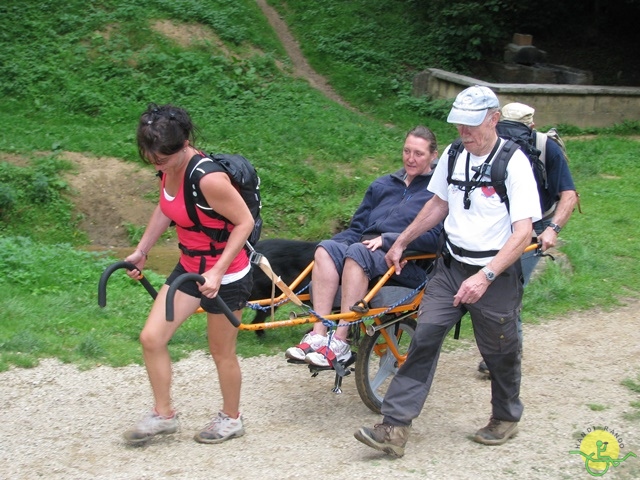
494 319
154 339
528 262
410 386
360 266
222 337
407 392
354 287
227 423
325 280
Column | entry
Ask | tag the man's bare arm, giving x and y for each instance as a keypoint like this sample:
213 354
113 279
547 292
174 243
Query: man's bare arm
433 212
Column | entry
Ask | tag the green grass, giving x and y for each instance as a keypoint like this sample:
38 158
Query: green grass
370 52
596 407
634 386
78 75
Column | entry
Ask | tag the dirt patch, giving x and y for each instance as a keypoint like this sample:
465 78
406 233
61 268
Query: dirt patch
111 194
188 35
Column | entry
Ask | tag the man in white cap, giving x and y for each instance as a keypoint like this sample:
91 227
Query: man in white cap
478 272
558 196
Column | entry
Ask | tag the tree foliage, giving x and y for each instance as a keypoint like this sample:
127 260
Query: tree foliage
461 32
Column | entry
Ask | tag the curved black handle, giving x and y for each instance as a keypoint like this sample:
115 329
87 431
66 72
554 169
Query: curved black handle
102 284
185 277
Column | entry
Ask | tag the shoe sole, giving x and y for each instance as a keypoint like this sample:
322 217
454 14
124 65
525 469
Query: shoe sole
314 364
138 441
293 359
499 441
296 362
392 450
199 439
296 359
328 366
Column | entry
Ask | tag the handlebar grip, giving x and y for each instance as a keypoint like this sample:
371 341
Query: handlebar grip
185 277
102 284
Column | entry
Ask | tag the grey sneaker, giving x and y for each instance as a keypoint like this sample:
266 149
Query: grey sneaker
151 425
389 439
221 428
496 432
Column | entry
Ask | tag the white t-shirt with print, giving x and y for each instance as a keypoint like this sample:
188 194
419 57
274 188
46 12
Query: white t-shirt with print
486 225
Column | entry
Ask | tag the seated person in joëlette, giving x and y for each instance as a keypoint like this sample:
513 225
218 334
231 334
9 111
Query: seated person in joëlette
355 256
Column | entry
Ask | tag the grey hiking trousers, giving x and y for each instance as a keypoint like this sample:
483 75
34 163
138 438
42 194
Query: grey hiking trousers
494 319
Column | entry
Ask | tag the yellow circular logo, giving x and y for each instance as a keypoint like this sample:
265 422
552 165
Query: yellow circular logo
599 448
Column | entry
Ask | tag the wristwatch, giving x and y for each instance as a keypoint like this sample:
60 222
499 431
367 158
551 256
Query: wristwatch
555 227
489 274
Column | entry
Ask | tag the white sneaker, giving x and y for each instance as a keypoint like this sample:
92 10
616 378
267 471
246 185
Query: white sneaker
221 428
151 425
339 351
309 343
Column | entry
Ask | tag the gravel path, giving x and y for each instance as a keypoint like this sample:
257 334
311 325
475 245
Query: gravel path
62 423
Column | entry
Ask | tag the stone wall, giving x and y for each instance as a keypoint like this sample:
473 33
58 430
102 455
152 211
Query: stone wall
580 105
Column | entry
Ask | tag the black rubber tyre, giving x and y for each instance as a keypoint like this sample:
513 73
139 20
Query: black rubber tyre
376 364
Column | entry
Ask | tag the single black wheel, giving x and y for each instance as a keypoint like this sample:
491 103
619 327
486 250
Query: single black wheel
376 364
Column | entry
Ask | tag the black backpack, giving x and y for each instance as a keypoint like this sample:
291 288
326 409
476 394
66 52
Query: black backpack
525 137
496 171
518 135
242 174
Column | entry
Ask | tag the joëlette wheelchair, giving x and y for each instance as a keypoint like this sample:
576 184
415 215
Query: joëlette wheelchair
381 324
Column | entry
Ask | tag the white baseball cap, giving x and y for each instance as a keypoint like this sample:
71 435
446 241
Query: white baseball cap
518 112
471 105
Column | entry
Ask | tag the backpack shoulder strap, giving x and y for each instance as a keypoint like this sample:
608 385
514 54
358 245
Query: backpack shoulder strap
191 189
454 152
541 144
499 170
198 167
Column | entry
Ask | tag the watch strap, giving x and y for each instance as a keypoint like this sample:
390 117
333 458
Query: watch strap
491 276
555 227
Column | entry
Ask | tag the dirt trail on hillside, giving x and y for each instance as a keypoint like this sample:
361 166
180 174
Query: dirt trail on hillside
301 66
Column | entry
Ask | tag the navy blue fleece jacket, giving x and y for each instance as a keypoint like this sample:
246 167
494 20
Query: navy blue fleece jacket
388 207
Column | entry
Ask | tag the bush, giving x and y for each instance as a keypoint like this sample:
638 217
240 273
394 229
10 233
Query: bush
7 199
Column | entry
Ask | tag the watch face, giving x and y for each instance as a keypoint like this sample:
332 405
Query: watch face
489 274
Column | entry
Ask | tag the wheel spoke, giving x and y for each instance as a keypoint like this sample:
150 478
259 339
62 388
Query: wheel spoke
376 364
386 368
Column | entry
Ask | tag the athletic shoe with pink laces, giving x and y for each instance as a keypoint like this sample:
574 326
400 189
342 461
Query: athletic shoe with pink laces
339 350
309 343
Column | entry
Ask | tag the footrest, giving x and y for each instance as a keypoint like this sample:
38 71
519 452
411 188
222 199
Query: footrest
296 362
317 369
341 367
